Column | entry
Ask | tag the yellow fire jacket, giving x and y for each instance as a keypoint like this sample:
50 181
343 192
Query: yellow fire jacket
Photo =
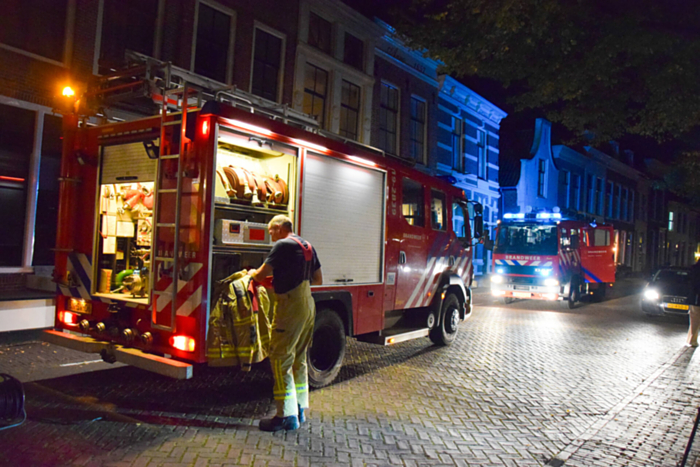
239 324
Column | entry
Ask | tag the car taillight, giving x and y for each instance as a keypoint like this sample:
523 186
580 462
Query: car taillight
184 343
68 318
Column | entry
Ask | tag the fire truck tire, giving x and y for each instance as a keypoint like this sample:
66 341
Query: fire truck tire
327 350
446 330
508 300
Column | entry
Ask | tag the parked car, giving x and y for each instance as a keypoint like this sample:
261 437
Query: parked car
667 292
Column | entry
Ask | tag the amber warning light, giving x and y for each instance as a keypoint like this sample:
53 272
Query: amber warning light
184 343
68 92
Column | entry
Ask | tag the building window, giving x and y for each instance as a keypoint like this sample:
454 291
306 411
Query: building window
267 61
17 141
349 110
320 33
315 92
625 204
47 197
213 39
565 177
457 151
591 194
599 196
482 161
354 51
541 177
670 221
609 211
412 202
389 118
35 26
127 25
575 192
418 112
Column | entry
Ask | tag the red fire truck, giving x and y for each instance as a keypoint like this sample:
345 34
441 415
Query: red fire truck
154 211
540 256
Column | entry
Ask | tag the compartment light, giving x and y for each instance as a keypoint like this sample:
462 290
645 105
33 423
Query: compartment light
184 343
248 126
309 145
362 161
11 179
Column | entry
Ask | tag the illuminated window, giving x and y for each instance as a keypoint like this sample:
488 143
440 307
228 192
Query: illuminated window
670 221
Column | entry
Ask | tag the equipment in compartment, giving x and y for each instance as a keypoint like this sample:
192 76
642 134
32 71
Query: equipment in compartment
230 232
242 184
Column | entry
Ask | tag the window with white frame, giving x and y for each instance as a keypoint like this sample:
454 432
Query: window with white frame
482 159
418 129
349 110
35 26
320 33
315 92
267 65
127 25
388 133
457 144
670 221
213 42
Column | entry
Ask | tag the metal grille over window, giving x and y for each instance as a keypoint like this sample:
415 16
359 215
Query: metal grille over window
315 92
213 37
418 130
388 118
266 65
349 110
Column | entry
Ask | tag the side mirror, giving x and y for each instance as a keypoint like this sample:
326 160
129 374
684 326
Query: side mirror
478 227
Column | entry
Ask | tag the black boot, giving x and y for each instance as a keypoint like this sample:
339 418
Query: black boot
279 423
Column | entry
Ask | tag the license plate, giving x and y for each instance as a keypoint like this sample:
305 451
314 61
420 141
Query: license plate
79 306
521 294
676 306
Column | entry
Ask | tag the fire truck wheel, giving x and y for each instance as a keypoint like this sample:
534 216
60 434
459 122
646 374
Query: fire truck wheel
327 350
446 330
508 300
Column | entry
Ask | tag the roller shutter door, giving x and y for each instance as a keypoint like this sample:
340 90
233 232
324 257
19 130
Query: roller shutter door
342 214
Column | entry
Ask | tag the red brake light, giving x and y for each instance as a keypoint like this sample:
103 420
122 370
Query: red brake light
184 343
68 318
205 127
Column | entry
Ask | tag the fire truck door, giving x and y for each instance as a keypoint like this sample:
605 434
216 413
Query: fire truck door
412 238
597 262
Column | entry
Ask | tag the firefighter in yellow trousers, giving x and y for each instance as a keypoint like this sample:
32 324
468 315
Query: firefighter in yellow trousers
295 267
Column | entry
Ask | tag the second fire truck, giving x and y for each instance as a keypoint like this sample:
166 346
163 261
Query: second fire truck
540 256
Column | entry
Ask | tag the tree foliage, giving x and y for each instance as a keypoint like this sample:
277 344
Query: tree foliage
602 67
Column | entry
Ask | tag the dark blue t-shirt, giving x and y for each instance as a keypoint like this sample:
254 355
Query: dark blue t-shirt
288 264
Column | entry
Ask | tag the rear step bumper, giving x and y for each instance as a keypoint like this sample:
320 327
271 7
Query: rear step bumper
134 357
390 338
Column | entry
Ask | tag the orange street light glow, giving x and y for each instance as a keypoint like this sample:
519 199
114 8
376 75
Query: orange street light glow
68 92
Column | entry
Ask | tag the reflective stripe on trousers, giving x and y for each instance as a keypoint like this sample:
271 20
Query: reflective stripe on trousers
292 330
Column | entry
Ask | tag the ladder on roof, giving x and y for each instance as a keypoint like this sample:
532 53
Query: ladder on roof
167 213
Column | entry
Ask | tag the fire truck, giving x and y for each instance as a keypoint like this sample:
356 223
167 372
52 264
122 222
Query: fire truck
153 212
540 256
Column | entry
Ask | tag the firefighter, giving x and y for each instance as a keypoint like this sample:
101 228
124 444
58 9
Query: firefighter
294 266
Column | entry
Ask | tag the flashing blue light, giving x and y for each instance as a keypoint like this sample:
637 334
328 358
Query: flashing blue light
514 215
548 215
543 271
500 271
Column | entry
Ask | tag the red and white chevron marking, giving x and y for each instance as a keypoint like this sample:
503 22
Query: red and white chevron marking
189 292
427 286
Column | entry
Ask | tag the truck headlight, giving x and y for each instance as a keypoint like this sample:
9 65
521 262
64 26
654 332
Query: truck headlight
651 294
497 279
551 282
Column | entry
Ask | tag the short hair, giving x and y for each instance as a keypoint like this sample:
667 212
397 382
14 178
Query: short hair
283 222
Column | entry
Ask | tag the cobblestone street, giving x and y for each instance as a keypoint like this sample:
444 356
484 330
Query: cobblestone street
528 383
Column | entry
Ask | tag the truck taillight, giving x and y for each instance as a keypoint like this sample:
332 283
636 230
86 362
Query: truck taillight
205 127
68 318
184 343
